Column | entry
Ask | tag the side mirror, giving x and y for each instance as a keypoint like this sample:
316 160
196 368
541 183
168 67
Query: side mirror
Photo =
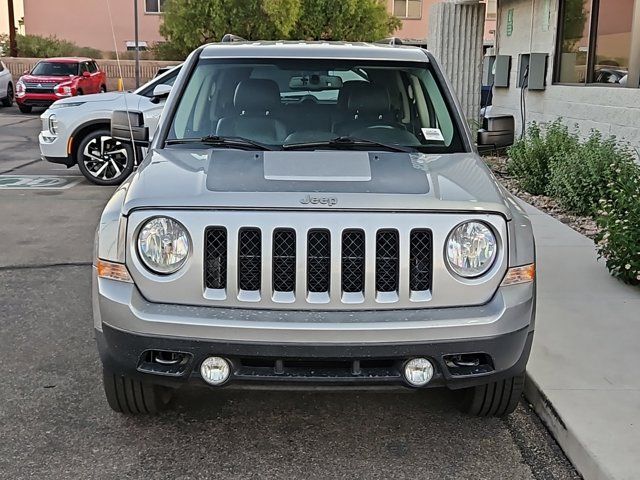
86 74
26 72
160 92
497 132
129 127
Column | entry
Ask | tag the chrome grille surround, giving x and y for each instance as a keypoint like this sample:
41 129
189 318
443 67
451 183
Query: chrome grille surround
187 286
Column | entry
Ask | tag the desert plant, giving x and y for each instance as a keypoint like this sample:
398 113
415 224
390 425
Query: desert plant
619 219
579 178
531 157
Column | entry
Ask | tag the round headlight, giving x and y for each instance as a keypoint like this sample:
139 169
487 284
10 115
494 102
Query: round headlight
471 249
163 245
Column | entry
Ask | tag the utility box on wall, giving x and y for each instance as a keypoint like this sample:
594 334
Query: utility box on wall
502 71
487 69
532 71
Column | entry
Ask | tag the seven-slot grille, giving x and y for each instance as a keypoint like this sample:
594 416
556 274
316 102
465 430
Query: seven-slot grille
324 251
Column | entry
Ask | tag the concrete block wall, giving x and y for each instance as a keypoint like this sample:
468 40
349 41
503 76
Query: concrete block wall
612 110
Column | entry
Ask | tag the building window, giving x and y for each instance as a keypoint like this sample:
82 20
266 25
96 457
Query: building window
407 8
154 6
594 41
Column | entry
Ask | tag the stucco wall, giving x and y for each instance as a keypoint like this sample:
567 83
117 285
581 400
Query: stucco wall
612 110
86 22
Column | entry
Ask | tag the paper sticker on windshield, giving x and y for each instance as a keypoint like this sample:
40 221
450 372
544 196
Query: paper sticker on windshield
432 135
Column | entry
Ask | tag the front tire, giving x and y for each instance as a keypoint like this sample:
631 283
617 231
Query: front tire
25 108
8 100
133 397
104 160
496 399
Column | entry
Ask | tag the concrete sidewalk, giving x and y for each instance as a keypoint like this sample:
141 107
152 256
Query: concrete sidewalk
582 374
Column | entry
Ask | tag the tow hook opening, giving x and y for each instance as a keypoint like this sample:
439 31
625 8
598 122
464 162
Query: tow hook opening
462 364
164 362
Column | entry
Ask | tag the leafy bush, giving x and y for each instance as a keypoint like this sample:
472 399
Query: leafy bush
619 219
579 178
531 158
35 46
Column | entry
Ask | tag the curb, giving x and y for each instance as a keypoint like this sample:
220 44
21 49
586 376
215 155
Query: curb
582 458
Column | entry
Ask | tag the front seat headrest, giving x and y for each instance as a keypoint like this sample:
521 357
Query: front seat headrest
256 96
369 100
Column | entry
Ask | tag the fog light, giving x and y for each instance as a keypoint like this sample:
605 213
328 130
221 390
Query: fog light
418 371
215 370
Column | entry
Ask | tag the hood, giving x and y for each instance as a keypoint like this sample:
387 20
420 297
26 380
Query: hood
46 79
330 180
103 97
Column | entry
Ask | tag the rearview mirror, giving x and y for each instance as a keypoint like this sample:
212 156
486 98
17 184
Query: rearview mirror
497 132
160 92
315 82
129 127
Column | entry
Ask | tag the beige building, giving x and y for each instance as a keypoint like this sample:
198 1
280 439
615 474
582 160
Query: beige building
18 11
415 19
588 71
86 22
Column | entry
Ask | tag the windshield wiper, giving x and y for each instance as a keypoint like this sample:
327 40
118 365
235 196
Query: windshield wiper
217 140
346 142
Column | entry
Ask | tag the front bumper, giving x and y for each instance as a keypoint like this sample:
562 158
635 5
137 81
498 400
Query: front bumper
37 99
318 348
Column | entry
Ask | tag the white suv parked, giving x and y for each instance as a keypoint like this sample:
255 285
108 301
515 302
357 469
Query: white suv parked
6 86
76 130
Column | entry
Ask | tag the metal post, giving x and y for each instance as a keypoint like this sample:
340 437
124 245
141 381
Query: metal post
13 46
135 16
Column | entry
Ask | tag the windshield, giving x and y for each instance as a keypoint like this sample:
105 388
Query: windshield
287 102
55 69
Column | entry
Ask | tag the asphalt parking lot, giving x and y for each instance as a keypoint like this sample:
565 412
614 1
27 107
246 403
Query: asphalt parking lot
55 422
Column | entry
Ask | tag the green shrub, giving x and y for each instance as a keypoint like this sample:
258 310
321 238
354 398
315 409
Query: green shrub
531 158
619 219
579 178
88 52
35 46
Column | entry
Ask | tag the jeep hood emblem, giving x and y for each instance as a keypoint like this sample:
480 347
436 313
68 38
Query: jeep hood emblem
313 200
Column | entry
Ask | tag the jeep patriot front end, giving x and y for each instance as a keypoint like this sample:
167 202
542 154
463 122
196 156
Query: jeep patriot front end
312 215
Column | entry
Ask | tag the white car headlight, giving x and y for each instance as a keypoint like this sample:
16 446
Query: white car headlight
471 249
163 245
59 104
53 124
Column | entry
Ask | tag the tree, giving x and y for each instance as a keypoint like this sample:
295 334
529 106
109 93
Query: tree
348 20
191 23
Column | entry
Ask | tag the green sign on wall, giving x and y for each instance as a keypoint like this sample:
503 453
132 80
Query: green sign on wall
509 22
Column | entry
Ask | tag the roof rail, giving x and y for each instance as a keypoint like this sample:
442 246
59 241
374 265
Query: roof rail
390 41
230 38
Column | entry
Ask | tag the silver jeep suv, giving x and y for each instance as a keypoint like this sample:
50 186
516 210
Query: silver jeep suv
313 214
